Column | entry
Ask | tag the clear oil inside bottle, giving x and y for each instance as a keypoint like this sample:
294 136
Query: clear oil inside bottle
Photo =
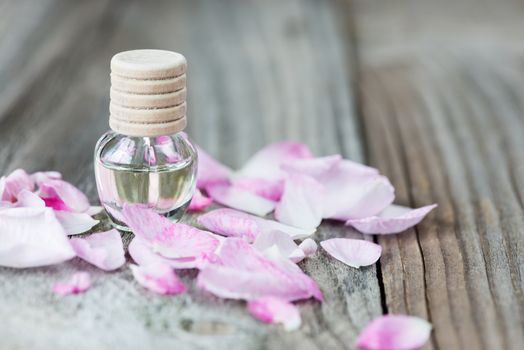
159 172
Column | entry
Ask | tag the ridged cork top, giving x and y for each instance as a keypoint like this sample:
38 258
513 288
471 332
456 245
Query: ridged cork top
148 93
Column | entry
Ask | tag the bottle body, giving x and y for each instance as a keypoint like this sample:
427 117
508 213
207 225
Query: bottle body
159 172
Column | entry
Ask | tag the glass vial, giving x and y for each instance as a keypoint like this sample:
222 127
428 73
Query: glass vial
146 158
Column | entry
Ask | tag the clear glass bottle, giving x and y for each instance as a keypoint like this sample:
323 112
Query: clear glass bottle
159 172
146 158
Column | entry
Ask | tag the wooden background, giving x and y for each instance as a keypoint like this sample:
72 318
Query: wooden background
430 92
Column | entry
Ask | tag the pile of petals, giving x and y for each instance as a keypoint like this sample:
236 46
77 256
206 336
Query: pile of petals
37 213
241 251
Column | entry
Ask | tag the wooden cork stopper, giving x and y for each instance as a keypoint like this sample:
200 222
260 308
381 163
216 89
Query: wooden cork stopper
148 93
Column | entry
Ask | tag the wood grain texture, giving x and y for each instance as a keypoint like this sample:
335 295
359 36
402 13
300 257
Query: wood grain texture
259 71
442 92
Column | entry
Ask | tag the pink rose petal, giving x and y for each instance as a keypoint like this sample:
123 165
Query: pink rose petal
267 189
15 182
301 203
355 197
171 240
29 199
275 310
234 223
352 252
79 283
308 246
314 167
159 278
394 332
75 223
62 195
240 199
32 237
94 210
44 176
143 254
277 242
393 219
266 163
244 273
210 171
199 202
104 250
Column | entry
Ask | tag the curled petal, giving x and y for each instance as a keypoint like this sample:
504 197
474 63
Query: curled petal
29 199
104 250
171 240
358 197
269 189
301 203
210 171
240 199
31 237
44 176
62 195
393 219
394 332
234 223
277 242
199 202
94 210
79 283
266 163
352 252
159 278
242 272
314 167
275 310
308 246
13 183
75 223
143 254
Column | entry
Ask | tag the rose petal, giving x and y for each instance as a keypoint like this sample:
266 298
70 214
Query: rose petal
314 167
240 199
143 254
275 310
301 203
29 199
199 202
355 197
79 283
15 182
44 176
267 189
105 250
266 163
62 195
394 332
94 210
32 237
75 223
159 278
233 223
352 252
308 246
171 240
210 172
269 242
245 273
393 219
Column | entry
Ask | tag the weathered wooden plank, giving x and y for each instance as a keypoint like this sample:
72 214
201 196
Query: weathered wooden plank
259 71
442 115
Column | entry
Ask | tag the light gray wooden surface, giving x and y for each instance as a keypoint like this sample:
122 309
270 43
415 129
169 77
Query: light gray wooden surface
431 92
